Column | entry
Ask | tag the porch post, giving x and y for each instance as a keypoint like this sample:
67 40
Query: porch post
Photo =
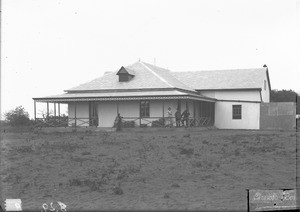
34 110
47 109
140 115
194 106
58 109
200 109
75 116
163 111
209 109
54 109
186 105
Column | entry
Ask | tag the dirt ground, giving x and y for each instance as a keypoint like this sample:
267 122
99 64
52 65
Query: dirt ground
199 170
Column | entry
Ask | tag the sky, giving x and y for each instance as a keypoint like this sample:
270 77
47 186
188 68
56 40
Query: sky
48 46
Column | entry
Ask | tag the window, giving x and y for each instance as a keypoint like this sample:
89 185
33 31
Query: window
265 85
123 77
145 109
236 111
125 74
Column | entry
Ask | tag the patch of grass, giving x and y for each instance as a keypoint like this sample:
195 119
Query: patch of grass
186 151
262 149
86 153
205 142
175 185
94 185
64 147
206 164
122 174
117 190
166 195
24 149
237 152
186 136
197 164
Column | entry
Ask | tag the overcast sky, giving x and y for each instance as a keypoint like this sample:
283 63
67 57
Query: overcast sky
48 46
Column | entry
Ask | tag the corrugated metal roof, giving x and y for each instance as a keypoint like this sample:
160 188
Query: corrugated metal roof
146 76
223 79
153 81
120 95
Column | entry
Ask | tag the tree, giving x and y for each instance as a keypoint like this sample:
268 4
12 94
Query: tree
17 117
286 96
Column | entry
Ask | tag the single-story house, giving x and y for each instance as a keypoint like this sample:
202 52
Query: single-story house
142 94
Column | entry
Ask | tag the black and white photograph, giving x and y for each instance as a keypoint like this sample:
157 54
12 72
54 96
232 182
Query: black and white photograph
139 105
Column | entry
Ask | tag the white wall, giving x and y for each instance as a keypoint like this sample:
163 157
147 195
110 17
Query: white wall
107 112
265 94
250 116
129 109
156 108
82 111
246 95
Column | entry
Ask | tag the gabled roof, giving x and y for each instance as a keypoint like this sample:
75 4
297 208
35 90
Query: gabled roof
126 71
153 82
146 77
224 79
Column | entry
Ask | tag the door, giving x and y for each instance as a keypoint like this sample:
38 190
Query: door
93 115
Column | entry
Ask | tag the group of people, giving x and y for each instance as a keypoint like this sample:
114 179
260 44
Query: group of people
181 119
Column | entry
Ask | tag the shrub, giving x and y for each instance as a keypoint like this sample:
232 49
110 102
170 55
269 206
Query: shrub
128 124
158 123
17 117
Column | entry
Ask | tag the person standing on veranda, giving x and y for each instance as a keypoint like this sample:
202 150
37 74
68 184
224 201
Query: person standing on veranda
178 117
170 121
185 118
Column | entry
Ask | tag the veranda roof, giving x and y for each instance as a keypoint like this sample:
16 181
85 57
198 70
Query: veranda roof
127 95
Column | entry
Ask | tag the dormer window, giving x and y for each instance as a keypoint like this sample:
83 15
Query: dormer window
125 74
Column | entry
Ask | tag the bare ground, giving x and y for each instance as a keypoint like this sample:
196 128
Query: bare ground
205 170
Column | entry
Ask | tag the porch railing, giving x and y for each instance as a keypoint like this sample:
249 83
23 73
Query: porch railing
127 122
163 122
64 121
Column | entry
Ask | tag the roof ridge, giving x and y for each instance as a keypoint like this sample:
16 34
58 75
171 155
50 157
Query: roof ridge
155 74
235 69
170 72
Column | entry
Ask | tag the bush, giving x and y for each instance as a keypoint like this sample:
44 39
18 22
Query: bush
158 123
17 117
128 124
